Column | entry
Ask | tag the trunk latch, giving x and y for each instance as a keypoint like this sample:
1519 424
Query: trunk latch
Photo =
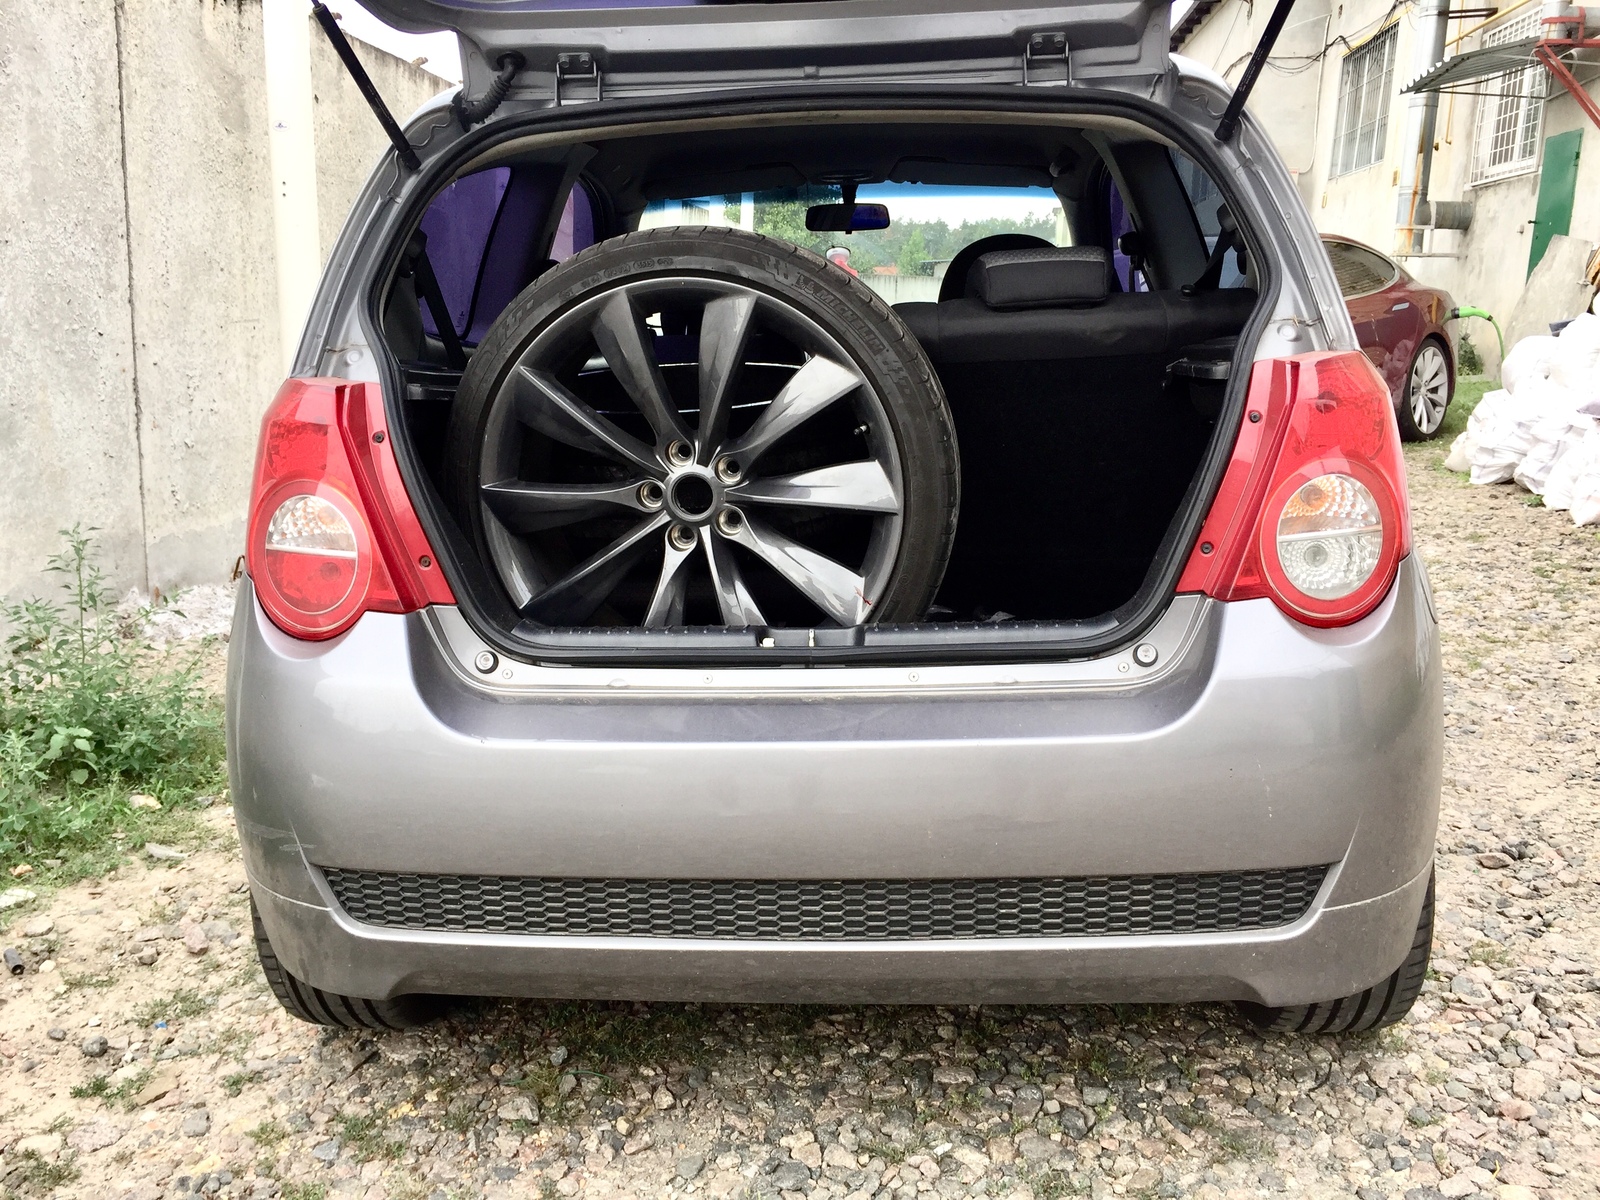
576 67
1042 48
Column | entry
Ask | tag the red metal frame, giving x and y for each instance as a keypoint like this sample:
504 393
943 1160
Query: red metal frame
1547 52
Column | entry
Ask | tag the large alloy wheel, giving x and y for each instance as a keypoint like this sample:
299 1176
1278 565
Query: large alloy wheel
699 445
1427 393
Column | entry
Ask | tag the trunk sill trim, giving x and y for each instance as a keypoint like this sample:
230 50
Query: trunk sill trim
1173 637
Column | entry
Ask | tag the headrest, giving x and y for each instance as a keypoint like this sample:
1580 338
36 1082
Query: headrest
1043 277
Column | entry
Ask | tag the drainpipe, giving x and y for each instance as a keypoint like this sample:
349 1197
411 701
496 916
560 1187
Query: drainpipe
1433 18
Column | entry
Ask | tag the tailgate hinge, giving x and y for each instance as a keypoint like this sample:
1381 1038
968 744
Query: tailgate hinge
576 66
1047 47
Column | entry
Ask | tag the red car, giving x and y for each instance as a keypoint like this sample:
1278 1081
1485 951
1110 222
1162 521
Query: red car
1401 326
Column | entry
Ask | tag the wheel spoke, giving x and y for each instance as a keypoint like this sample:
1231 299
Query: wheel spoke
831 586
530 507
810 390
858 485
545 405
574 597
739 608
666 602
723 332
621 336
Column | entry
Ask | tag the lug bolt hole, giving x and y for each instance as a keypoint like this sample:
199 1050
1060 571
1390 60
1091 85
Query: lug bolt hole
682 537
728 470
650 494
730 521
680 453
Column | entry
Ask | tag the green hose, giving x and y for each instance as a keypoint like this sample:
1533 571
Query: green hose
1467 310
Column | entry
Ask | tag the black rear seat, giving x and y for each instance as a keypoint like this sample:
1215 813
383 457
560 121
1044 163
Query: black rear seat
1060 311
1074 458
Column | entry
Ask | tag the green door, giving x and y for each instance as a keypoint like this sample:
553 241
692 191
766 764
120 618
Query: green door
1558 184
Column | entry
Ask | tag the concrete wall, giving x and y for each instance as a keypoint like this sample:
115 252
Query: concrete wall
139 323
205 325
1485 265
343 121
66 406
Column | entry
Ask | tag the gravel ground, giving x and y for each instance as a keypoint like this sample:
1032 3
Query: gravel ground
141 1057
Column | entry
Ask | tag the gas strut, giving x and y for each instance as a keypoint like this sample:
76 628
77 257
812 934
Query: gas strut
1229 125
347 53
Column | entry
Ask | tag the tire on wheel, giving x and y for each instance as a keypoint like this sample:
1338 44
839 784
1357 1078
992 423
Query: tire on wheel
1430 385
1382 1004
318 1007
704 427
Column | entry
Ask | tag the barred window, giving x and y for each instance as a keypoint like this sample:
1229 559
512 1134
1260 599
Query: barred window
1361 133
1505 137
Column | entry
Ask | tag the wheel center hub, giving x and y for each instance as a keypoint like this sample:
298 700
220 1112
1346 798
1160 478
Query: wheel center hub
693 496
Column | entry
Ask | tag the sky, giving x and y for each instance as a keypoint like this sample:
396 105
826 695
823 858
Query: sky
440 49
955 205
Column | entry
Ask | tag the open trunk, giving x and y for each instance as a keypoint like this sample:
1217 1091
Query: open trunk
1091 428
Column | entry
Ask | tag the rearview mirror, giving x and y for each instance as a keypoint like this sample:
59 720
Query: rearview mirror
846 218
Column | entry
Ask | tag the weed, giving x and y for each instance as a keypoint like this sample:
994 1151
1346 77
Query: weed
89 981
41 1176
179 1006
268 1133
1468 360
1491 953
1236 1144
1052 1185
461 1119
101 1088
304 1191
92 1089
238 1081
364 1135
86 714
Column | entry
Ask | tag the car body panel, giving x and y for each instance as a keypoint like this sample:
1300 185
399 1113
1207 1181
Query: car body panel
1254 742
671 46
1263 744
1392 321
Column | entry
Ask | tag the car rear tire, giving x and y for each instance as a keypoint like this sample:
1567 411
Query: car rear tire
1382 1004
318 1007
1430 384
705 427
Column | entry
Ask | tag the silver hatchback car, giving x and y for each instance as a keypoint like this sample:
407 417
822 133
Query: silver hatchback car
870 500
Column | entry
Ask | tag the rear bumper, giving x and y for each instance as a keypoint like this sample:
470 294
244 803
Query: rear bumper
1333 951
1259 745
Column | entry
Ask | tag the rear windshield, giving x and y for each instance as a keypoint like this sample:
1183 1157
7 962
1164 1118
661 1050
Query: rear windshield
929 224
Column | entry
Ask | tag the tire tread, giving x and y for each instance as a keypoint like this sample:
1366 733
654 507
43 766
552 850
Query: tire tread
317 1007
1380 1005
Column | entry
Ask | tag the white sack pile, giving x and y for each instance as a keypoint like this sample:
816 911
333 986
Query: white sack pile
1543 428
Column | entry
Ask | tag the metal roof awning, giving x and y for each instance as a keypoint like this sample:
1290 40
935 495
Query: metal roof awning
1489 62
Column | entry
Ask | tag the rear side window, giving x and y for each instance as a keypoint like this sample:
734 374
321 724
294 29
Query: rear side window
575 231
490 235
1205 198
1360 271
457 225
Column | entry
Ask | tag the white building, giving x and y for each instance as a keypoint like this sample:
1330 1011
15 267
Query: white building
1509 140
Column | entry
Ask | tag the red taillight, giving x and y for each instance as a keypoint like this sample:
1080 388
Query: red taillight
332 533
1312 510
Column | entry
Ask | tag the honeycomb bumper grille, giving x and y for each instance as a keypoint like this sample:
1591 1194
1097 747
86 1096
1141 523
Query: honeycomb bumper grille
830 910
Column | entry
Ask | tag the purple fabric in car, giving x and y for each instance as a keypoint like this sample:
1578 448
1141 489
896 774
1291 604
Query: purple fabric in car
457 225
